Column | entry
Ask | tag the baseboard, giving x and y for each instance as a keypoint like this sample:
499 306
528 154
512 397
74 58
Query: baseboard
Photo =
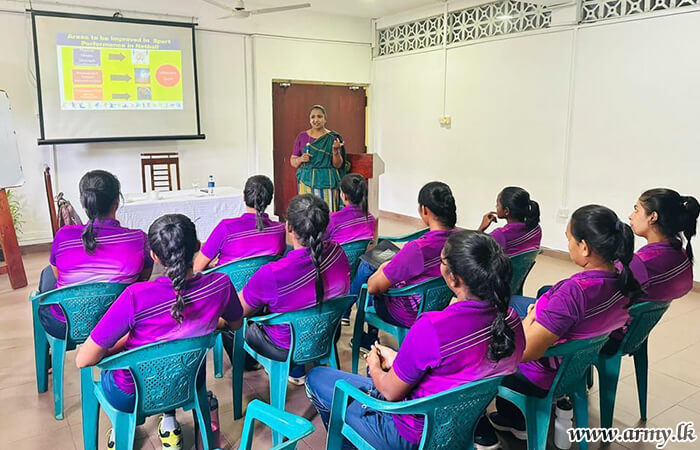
389 215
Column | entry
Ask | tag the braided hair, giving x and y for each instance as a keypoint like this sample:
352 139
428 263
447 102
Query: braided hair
480 263
257 194
438 198
173 238
354 186
307 216
99 195
611 239
522 208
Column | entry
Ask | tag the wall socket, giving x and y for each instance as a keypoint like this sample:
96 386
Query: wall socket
562 215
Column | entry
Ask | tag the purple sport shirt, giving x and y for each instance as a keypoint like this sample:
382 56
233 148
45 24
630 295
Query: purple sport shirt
515 238
663 270
350 224
289 284
142 312
238 238
586 305
417 261
445 349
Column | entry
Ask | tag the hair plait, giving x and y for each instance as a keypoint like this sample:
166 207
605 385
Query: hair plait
99 194
257 193
438 198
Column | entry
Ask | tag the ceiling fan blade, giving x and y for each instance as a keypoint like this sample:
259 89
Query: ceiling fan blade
219 5
236 14
279 8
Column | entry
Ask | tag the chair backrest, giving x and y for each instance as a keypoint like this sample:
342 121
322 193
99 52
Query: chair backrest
50 199
434 294
158 167
354 250
522 265
83 305
164 373
576 357
240 271
313 329
451 416
406 237
294 428
644 316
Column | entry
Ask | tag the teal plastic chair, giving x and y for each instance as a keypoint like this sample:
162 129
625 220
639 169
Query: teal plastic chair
522 265
292 427
434 296
450 416
644 317
405 237
577 357
83 306
354 250
239 272
313 333
165 376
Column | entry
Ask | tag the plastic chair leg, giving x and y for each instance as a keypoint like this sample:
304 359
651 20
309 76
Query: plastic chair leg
218 356
124 431
204 419
41 351
90 409
580 400
641 367
401 335
237 375
608 376
335 425
58 357
333 360
278 393
537 417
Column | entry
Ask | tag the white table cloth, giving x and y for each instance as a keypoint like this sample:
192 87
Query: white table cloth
140 210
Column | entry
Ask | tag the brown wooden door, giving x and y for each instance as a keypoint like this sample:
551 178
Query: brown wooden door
291 106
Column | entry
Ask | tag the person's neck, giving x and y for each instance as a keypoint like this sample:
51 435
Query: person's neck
510 220
437 226
653 237
317 131
598 264
250 210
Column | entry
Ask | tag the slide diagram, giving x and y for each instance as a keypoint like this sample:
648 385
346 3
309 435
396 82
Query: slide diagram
107 72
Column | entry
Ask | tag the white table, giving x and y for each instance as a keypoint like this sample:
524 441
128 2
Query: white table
140 210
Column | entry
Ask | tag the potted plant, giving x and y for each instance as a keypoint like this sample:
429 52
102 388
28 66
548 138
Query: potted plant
16 214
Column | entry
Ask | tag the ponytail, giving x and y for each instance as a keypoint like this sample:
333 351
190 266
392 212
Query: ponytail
99 196
308 217
438 198
520 206
173 238
354 186
481 265
624 254
677 215
692 210
532 217
257 194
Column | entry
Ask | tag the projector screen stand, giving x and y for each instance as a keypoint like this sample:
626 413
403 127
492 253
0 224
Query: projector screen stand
14 267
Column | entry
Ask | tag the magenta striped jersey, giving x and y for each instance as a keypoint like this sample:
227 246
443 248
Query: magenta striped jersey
288 284
515 238
238 238
663 270
120 257
586 305
445 349
142 312
350 224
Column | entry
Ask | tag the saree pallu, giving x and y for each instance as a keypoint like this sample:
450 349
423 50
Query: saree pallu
329 195
318 176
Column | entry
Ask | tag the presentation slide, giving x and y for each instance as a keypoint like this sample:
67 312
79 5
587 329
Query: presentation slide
127 72
109 79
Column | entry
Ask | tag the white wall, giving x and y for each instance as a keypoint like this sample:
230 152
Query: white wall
633 110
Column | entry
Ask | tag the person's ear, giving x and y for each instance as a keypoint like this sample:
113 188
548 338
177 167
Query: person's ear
197 246
155 258
584 248
506 212
653 218
454 281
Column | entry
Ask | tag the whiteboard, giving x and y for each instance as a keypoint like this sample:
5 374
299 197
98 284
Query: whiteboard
10 167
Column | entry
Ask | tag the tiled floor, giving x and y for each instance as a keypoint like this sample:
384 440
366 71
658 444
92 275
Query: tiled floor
27 423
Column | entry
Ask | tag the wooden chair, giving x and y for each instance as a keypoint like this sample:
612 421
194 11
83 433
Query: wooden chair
51 200
159 168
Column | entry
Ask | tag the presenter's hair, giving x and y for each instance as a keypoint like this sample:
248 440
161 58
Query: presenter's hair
320 108
354 186
522 208
479 262
438 198
257 194
308 217
99 195
677 214
173 238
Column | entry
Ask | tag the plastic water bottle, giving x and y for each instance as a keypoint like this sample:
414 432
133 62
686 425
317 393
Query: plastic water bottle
563 420
215 431
211 184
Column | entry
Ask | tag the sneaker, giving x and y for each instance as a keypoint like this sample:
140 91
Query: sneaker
297 375
485 436
503 423
170 440
110 439
345 321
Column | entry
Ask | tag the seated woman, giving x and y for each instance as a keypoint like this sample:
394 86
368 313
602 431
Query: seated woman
316 270
102 250
417 261
177 306
443 349
252 234
587 304
522 231
353 222
663 268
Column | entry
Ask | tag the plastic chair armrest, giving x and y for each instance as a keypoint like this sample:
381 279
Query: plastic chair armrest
345 389
405 289
406 237
290 425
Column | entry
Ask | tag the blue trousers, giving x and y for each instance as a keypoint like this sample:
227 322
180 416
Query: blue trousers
364 271
377 428
53 326
520 303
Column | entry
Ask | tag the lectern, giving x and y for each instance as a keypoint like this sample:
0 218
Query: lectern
370 166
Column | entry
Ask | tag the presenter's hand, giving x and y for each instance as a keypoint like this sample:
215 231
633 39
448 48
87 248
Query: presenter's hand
489 218
305 157
337 144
